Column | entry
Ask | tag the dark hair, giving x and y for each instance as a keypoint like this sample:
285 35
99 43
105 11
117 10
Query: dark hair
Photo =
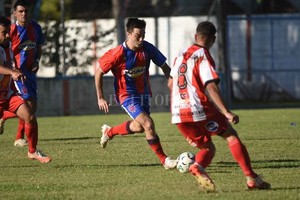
135 23
23 3
4 21
206 28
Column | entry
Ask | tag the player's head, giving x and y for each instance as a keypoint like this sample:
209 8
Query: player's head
4 30
135 23
135 29
21 11
206 33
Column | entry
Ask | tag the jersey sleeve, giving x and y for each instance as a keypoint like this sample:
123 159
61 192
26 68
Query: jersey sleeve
155 55
207 71
41 39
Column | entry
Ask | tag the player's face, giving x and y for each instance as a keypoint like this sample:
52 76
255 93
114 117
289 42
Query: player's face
4 35
22 15
135 38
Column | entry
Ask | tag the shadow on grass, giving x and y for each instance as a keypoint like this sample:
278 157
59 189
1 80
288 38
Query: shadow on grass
260 164
68 139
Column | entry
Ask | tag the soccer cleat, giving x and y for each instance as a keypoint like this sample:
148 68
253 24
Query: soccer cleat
20 143
38 155
205 182
257 183
169 163
1 126
104 138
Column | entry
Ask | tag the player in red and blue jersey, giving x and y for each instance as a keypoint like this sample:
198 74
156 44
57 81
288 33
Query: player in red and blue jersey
10 99
129 63
27 38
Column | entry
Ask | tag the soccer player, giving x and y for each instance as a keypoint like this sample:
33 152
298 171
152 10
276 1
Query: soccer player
199 111
27 38
129 63
9 100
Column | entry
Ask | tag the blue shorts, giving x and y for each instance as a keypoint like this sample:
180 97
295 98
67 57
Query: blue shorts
27 90
135 105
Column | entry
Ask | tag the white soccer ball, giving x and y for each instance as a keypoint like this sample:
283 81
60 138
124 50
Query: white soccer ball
184 161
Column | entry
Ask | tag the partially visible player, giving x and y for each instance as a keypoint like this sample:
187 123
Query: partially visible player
199 111
129 63
27 39
10 101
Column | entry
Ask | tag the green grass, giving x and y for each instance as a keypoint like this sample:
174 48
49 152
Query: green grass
127 168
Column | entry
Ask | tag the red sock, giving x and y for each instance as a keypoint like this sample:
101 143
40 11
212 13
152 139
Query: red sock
7 115
21 129
204 157
157 149
31 131
240 154
122 129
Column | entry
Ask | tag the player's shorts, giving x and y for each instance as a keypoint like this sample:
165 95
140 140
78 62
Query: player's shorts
135 105
199 133
27 90
12 104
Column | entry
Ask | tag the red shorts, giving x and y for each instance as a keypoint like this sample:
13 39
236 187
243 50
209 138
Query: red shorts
12 104
199 133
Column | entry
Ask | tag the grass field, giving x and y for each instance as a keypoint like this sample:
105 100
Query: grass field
127 168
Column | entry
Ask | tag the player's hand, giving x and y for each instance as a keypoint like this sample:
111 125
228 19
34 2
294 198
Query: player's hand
35 67
232 118
103 105
17 75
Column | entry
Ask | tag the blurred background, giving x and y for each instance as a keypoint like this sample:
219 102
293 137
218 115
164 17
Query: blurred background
257 51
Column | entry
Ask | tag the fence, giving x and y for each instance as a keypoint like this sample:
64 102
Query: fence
264 57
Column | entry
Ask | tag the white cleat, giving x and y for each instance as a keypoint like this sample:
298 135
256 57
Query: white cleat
20 143
104 138
169 164
1 126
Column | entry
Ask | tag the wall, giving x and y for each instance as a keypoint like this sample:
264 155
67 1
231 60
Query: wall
77 96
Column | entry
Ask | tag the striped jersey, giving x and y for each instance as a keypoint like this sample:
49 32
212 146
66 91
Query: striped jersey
193 68
131 68
6 57
24 45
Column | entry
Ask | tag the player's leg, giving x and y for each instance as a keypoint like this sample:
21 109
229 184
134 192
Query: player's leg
198 137
28 91
241 155
153 140
6 115
127 127
24 112
20 141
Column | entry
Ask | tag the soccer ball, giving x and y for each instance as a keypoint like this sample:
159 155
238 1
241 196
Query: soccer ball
184 161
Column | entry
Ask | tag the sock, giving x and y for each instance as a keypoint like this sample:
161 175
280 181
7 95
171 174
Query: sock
21 129
122 129
7 115
204 157
31 131
157 148
240 154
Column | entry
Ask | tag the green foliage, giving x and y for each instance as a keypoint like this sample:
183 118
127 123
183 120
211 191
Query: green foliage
74 56
51 9
127 168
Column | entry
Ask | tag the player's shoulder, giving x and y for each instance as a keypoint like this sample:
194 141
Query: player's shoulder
13 27
34 22
116 51
147 45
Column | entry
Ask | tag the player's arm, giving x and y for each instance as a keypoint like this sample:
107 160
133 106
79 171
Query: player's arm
215 95
36 63
166 70
15 74
170 83
102 103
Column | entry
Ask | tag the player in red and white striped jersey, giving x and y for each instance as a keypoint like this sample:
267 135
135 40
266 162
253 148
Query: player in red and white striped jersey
199 111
